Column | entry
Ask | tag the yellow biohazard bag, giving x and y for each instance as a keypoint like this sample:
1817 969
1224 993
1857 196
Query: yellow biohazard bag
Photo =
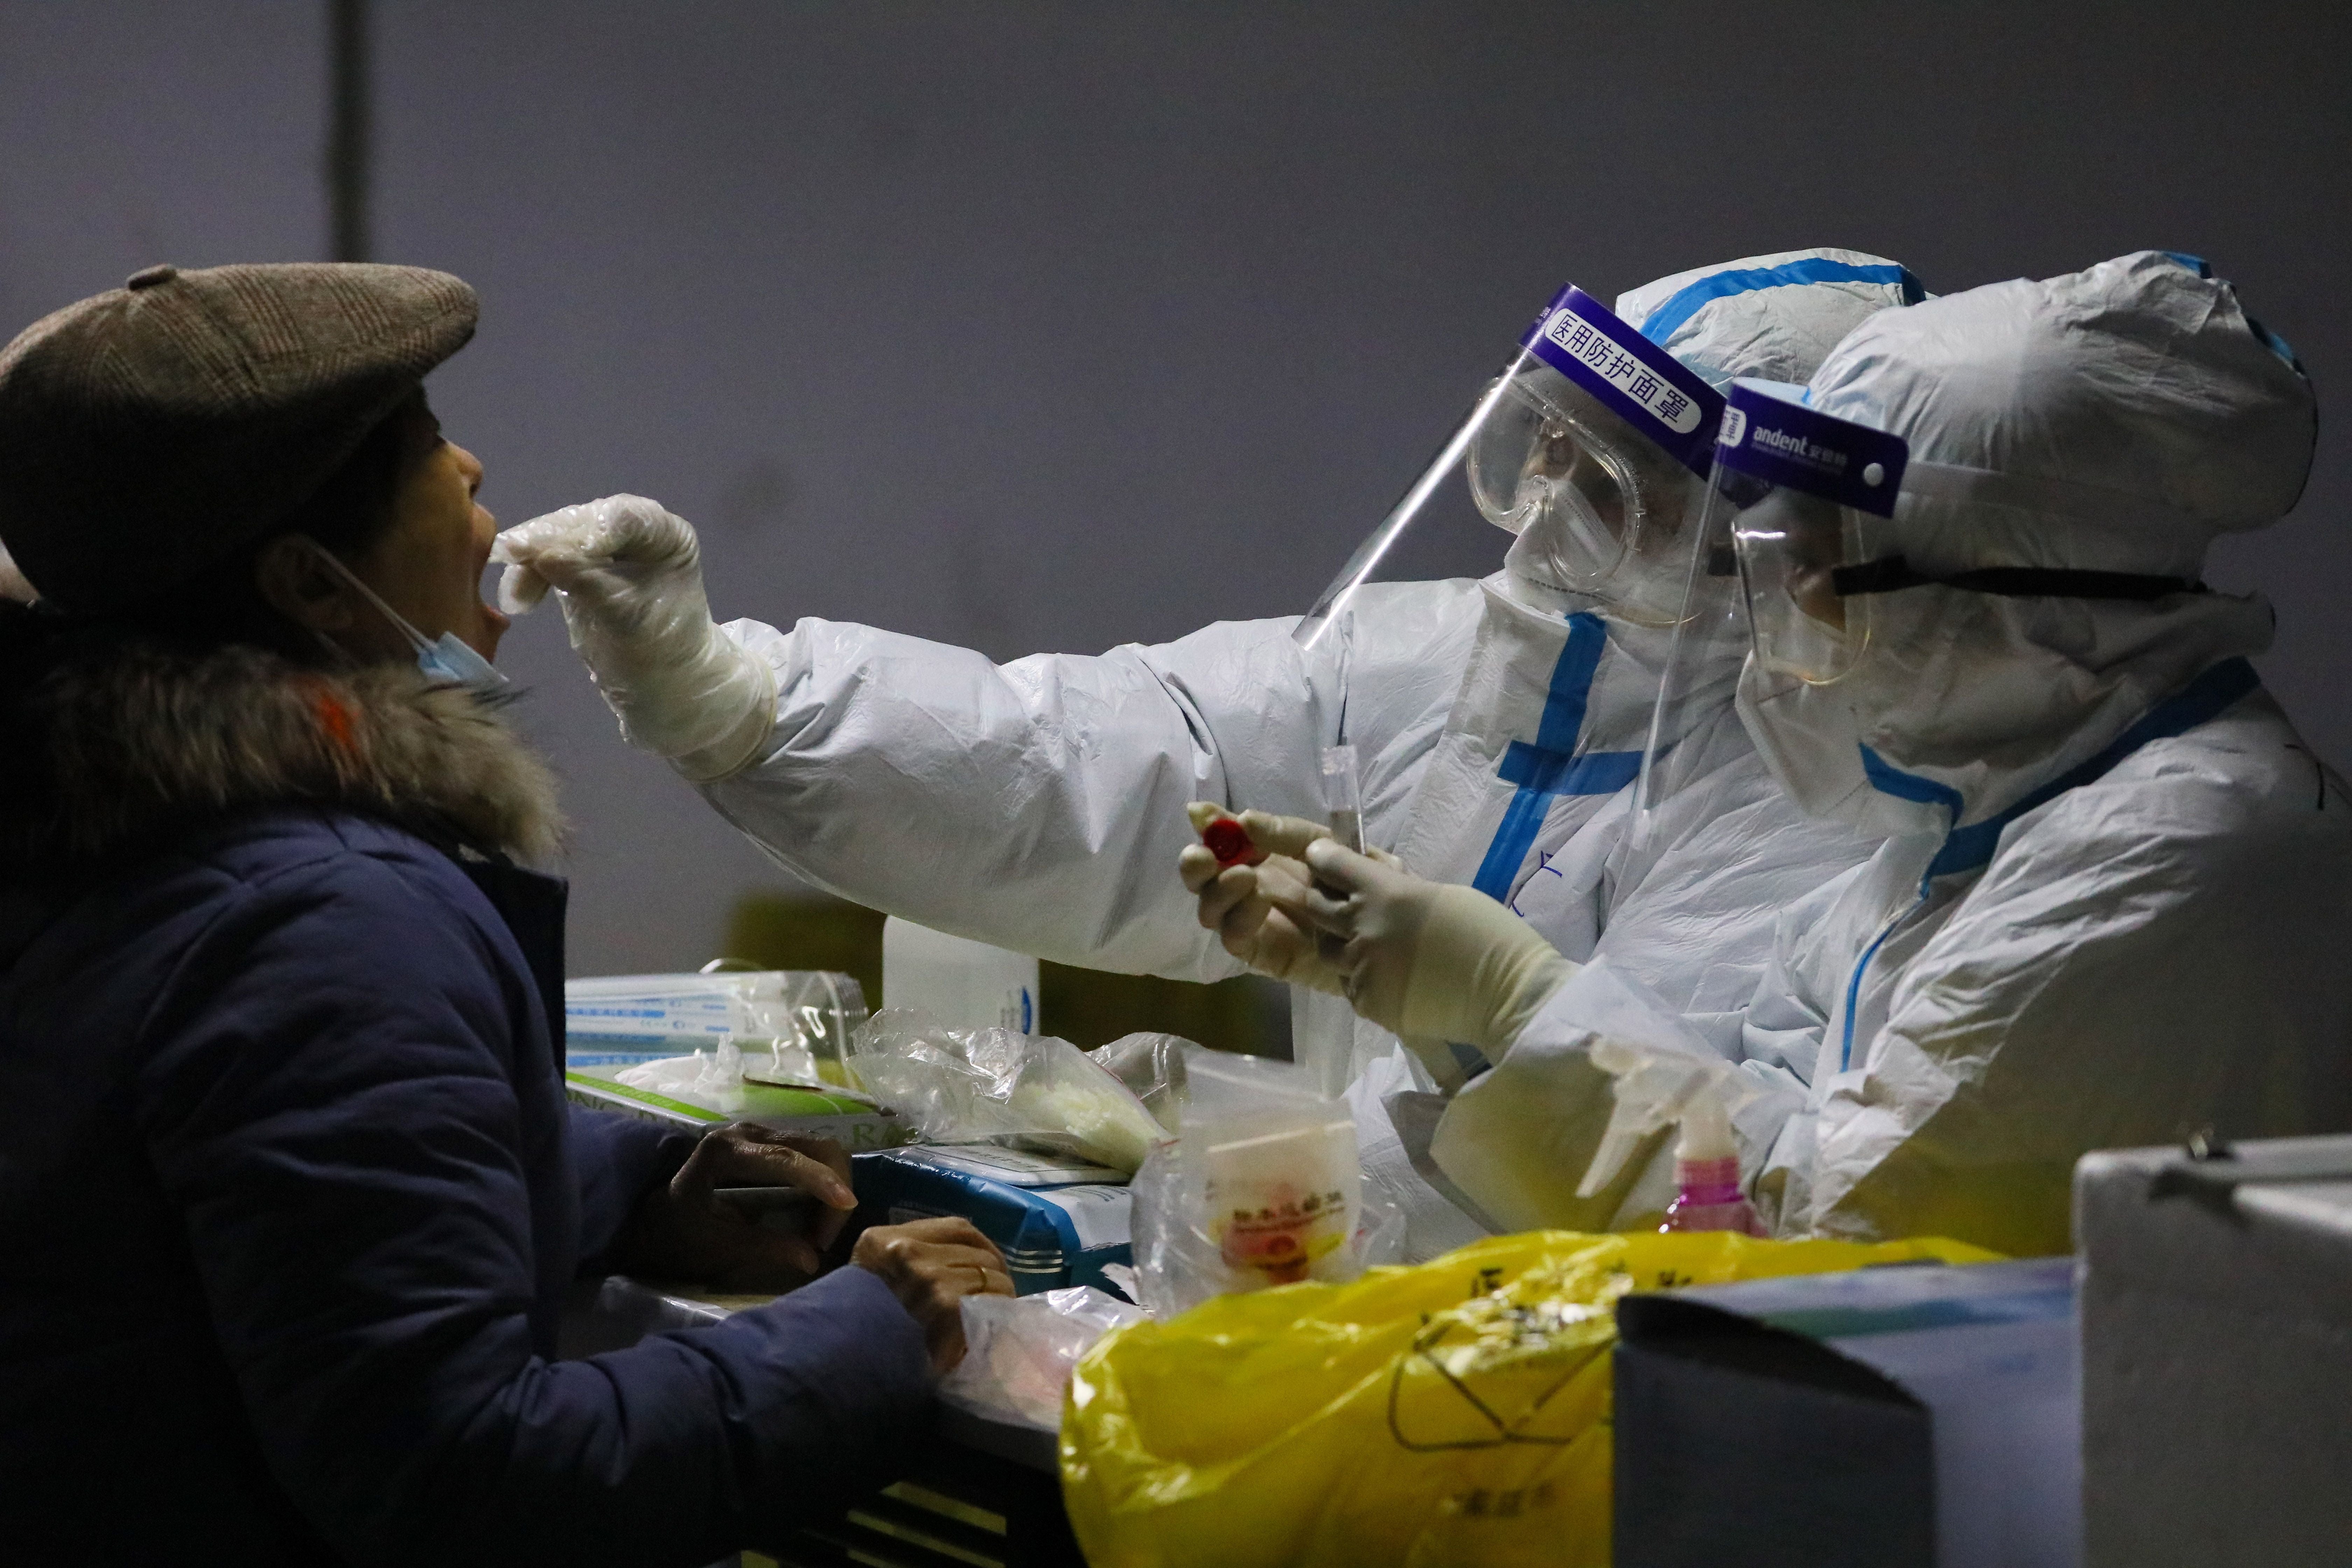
1456 1412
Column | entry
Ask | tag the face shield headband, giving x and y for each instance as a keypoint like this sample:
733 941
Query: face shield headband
1802 497
1809 496
1583 446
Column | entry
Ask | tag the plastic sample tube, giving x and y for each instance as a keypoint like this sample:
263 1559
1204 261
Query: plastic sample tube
724 1078
1343 796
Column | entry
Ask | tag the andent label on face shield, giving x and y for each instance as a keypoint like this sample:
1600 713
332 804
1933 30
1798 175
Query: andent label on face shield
1785 443
1632 376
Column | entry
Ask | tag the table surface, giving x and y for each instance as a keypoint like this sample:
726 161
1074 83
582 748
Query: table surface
624 1310
1031 1448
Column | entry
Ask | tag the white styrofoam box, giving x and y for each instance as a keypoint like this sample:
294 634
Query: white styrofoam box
2217 1354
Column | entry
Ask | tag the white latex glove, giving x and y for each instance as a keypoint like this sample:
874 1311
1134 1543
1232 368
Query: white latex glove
1240 903
629 576
1427 960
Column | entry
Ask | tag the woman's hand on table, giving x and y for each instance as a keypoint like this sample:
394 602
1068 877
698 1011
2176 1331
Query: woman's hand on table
681 1230
931 1265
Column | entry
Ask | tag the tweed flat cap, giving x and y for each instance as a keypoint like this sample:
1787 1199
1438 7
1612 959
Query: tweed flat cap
151 430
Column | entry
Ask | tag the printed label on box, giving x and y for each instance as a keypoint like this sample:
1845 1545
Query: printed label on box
1101 1216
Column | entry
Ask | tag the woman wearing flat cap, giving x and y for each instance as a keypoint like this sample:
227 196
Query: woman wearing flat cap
290 1192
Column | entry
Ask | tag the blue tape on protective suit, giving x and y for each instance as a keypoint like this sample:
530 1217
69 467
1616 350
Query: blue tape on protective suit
1687 302
1551 766
1965 848
1971 847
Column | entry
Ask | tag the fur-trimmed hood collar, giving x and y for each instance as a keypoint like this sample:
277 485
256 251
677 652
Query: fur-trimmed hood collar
126 739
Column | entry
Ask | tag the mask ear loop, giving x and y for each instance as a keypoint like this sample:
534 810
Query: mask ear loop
449 660
400 623
336 653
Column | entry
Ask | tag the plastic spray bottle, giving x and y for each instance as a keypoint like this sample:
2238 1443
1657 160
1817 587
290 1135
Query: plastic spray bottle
1706 1173
1656 1090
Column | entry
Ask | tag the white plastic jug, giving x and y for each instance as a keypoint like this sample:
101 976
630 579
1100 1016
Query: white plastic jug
965 985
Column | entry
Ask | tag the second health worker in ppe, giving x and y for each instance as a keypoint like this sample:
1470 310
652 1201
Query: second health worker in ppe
2113 885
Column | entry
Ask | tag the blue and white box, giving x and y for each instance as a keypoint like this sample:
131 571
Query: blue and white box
1058 1220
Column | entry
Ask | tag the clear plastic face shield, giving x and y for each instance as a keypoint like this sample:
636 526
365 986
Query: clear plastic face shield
1796 510
1589 446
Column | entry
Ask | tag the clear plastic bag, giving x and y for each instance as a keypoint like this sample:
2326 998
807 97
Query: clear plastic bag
714 1082
1261 1188
1153 1067
974 1086
792 1026
1019 1351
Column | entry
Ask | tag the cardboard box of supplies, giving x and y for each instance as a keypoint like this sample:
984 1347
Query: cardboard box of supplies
1913 1413
2216 1353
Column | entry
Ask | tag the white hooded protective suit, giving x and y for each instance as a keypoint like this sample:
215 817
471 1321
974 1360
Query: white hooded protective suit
2119 888
1039 805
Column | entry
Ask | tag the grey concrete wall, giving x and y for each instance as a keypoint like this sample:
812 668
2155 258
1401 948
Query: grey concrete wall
1018 326
131 134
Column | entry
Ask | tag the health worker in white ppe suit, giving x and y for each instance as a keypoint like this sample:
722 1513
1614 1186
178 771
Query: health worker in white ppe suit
1499 723
2114 888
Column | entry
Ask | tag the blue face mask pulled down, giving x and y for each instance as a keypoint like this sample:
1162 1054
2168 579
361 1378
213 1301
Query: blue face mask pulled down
446 660
448 657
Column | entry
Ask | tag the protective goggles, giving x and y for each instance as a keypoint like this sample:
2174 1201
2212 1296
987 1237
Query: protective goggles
1799 506
1589 446
1803 500
1795 499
